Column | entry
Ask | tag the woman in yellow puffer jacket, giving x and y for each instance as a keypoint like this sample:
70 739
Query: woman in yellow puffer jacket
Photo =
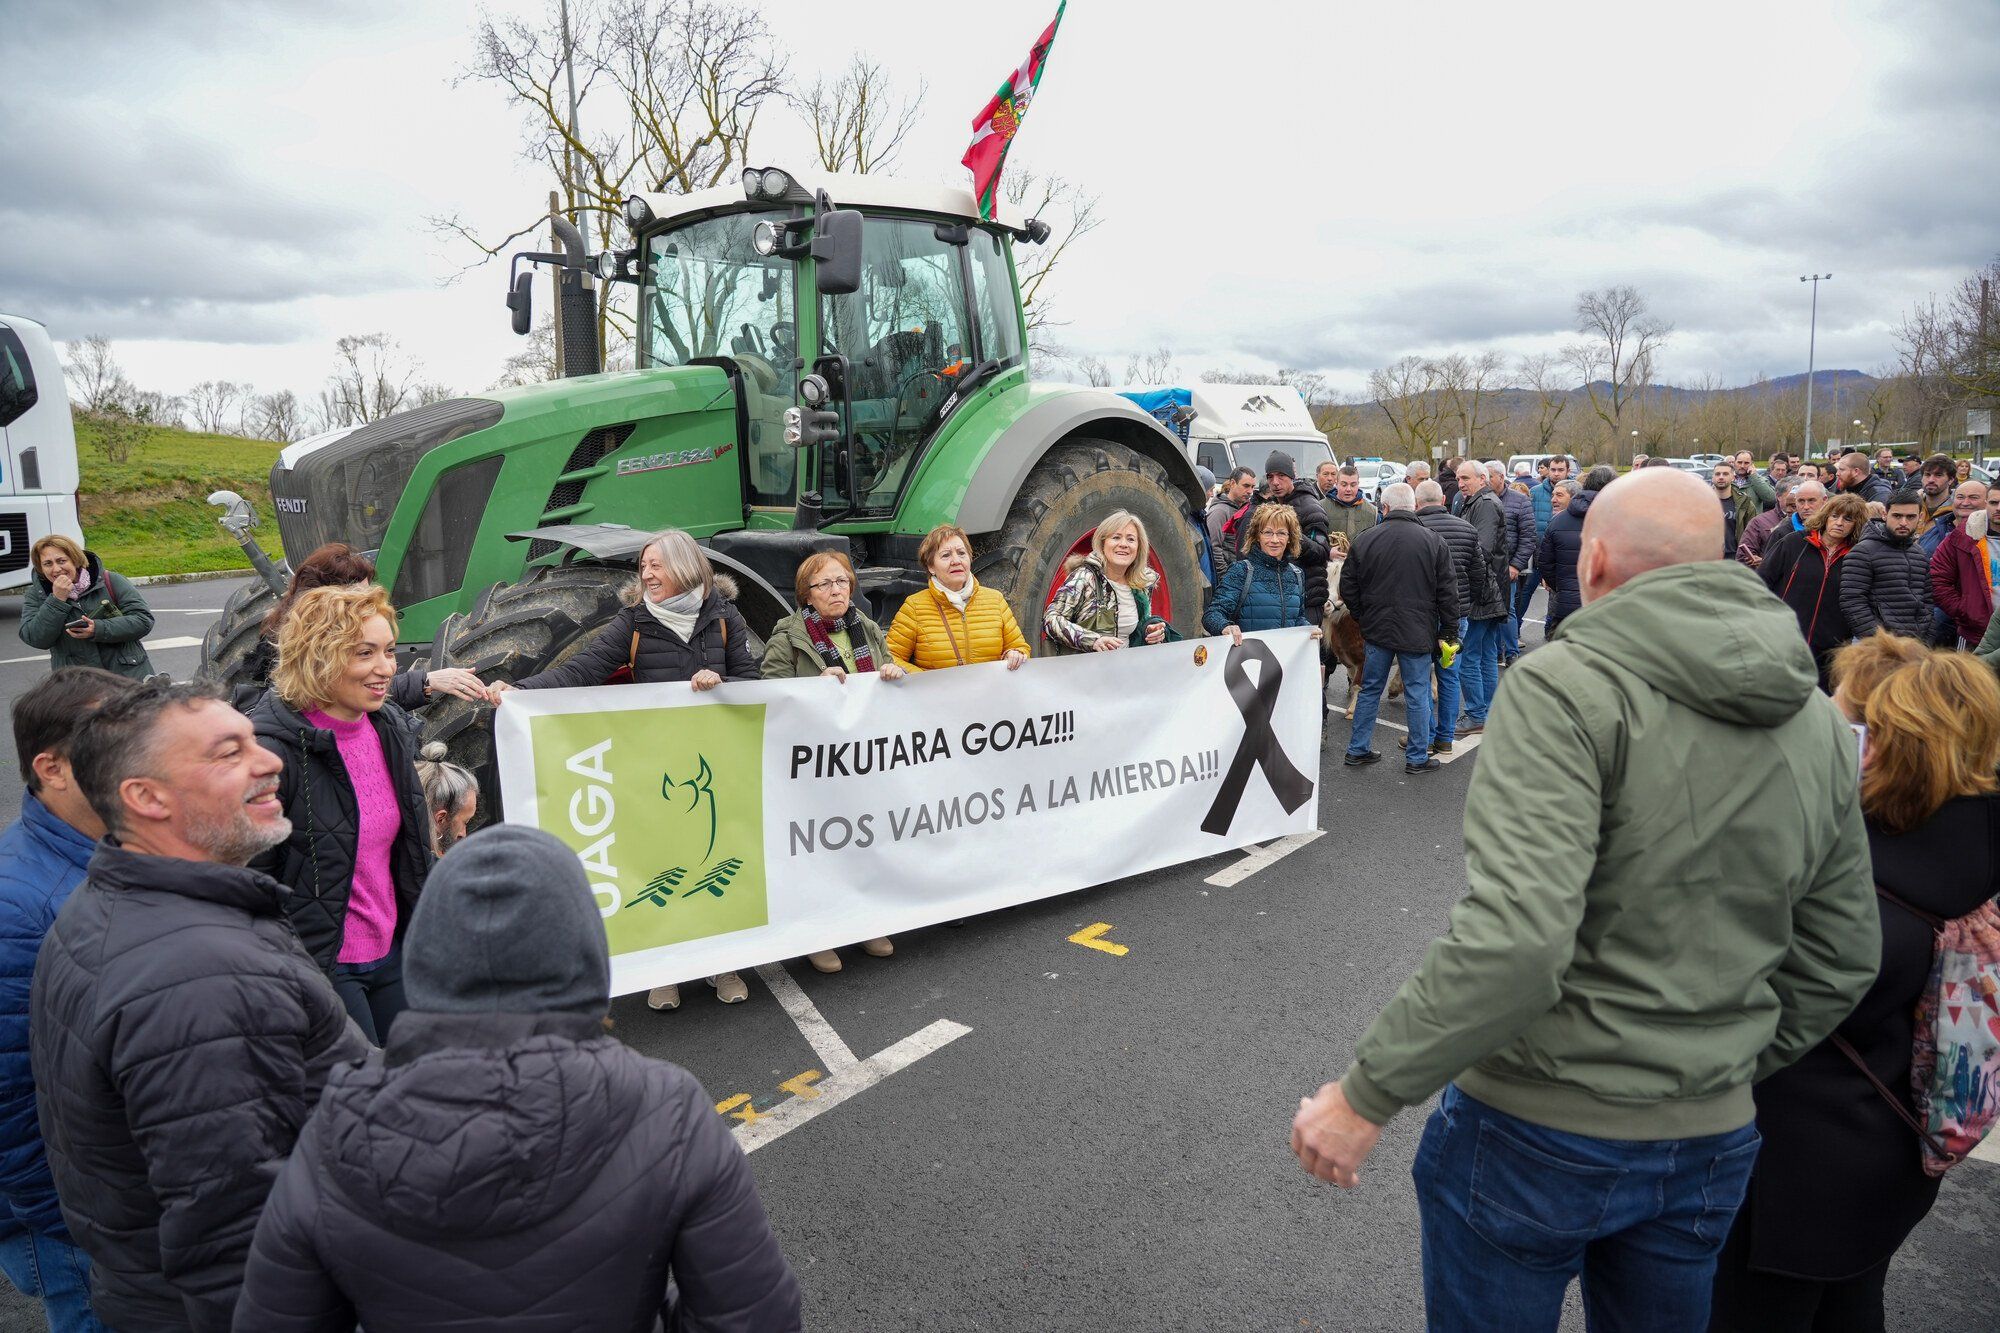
956 621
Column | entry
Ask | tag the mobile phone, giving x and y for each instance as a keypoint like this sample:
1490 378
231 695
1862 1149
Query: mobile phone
79 623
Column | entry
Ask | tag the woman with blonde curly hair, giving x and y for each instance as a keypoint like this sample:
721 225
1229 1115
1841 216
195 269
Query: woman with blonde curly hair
360 845
1263 590
1839 1182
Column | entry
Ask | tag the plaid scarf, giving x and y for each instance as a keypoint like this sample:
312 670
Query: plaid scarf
820 633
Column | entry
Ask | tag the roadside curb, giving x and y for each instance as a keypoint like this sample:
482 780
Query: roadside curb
200 576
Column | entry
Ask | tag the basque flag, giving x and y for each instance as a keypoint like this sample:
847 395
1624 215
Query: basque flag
997 124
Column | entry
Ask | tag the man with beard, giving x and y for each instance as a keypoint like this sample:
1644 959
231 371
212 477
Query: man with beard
180 1034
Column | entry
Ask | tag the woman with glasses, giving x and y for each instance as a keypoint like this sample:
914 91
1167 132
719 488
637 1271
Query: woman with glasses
828 636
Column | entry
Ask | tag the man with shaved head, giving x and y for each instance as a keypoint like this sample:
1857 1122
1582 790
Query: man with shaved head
1695 911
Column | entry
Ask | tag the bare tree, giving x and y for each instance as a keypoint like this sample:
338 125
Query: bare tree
1616 359
1926 344
1409 394
1974 326
96 383
857 122
536 361
212 404
150 407
1877 403
1095 372
274 416
1543 377
372 378
1467 383
1156 367
1071 212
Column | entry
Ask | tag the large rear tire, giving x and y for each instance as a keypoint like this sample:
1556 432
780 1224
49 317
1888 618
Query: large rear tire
231 642
517 629
1074 487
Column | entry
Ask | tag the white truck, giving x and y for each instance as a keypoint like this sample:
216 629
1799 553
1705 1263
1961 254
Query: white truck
1231 425
38 470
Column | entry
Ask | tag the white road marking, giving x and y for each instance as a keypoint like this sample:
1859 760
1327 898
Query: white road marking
826 1043
845 1083
1260 858
152 646
187 610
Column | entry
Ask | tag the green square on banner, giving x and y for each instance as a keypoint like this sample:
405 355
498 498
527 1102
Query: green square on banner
665 806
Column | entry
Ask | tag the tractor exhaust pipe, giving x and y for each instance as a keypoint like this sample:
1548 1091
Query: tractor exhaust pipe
576 304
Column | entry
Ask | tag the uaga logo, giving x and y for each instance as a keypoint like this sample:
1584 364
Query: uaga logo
665 808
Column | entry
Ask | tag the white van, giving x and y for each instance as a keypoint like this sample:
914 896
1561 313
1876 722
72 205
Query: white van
1243 424
38 473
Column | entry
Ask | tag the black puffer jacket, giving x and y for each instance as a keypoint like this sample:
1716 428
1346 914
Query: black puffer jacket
1398 583
1474 577
180 1038
1557 556
1887 584
317 861
719 642
525 1171
1489 521
1311 562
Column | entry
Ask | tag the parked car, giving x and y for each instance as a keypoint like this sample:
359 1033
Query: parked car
1377 473
1708 460
1535 460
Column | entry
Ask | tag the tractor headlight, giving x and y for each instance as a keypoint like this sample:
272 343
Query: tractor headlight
764 238
794 426
813 390
753 182
637 213
605 264
776 183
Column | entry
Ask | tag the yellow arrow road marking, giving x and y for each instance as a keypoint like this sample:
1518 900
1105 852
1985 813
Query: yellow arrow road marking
802 1086
1090 937
739 1108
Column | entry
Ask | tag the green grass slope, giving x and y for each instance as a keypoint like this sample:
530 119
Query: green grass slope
149 514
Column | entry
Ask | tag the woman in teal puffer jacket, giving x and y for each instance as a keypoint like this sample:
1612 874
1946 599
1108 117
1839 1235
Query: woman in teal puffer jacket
1263 590
82 614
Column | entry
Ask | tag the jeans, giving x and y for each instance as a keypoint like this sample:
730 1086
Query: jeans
1416 669
1447 690
1479 673
372 992
55 1272
1512 1211
1524 593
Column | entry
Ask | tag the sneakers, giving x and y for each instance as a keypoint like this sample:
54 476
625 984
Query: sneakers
826 960
663 998
1440 747
879 947
1428 766
1364 758
729 988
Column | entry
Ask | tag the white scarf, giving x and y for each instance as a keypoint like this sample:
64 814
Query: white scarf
959 598
676 613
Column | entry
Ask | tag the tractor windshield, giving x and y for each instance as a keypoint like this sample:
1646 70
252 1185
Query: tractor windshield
708 293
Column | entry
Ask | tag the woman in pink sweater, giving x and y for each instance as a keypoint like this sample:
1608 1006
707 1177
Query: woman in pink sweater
360 844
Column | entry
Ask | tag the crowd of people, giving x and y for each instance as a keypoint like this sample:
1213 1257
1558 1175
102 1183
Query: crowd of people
283 1038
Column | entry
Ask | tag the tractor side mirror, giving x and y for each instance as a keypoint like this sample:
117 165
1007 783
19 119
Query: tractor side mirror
521 300
836 251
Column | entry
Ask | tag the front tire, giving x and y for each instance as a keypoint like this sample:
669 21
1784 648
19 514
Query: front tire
1067 494
229 648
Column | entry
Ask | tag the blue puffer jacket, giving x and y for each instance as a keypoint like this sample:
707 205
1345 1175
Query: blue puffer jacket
1561 548
1256 593
1543 496
41 860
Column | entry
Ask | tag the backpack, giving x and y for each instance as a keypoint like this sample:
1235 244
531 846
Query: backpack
1955 1063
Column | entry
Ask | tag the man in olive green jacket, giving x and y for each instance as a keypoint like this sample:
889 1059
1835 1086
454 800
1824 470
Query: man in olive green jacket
1693 911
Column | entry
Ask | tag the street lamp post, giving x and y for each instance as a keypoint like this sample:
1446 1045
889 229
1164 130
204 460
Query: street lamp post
1812 339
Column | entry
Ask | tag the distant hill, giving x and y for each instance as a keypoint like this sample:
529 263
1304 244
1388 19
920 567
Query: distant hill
149 514
1824 381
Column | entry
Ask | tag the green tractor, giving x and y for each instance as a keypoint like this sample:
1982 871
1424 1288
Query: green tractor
812 376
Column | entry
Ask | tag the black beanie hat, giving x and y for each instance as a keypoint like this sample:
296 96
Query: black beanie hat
1281 463
506 924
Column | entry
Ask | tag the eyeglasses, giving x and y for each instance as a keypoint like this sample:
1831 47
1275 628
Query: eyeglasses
828 585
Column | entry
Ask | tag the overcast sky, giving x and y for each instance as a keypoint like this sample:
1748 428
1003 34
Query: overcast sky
225 188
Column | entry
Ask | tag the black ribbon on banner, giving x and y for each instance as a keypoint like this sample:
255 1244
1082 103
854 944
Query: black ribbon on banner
1260 747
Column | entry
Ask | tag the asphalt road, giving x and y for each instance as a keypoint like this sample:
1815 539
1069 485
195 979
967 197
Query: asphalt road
1106 1147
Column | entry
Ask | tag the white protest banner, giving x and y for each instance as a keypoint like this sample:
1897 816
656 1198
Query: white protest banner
764 820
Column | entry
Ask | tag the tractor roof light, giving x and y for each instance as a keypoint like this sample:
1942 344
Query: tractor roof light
605 264
794 427
767 184
637 213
